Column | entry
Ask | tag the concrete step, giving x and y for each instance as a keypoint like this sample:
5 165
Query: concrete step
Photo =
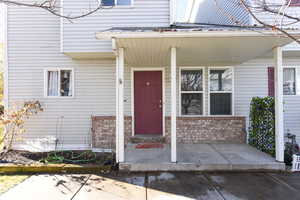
138 139
168 167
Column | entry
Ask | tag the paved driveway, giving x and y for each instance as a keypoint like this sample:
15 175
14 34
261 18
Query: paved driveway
158 186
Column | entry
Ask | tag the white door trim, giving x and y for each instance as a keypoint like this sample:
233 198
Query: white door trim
162 69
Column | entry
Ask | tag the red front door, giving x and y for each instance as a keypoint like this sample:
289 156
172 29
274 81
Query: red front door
148 102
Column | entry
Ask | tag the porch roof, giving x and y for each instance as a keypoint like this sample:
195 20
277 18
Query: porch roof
197 45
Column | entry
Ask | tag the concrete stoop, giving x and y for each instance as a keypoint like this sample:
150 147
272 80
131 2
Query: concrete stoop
168 167
199 157
138 139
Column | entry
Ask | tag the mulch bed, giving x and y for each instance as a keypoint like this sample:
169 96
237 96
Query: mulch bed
59 157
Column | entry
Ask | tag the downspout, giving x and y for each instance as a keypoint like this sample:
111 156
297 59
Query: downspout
5 56
172 12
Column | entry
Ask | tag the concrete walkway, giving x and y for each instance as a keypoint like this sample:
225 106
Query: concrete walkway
199 157
158 186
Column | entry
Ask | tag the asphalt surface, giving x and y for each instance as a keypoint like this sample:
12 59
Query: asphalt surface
158 186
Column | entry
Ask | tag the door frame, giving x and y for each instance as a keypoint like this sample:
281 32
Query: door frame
162 69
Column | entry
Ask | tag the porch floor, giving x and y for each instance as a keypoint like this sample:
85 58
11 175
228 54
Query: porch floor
199 157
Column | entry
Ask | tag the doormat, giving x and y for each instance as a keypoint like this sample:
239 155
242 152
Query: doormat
149 146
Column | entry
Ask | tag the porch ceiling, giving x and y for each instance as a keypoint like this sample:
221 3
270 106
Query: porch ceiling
197 51
195 48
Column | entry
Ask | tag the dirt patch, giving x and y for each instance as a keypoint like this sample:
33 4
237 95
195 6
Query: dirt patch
58 157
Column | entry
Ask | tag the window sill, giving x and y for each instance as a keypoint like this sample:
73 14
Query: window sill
56 97
192 115
119 7
291 95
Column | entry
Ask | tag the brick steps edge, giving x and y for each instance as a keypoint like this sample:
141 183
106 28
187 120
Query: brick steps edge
137 140
55 168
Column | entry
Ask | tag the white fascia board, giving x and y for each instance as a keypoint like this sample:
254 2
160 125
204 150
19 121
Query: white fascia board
128 35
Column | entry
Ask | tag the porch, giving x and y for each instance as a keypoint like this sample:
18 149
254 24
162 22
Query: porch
210 55
199 157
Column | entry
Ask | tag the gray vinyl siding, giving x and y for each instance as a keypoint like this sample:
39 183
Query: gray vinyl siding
34 45
80 35
251 79
274 19
224 12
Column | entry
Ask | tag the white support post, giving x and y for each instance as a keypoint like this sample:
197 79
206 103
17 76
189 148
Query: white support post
173 106
279 128
120 106
117 107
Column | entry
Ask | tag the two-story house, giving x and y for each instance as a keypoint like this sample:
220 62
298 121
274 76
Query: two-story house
146 70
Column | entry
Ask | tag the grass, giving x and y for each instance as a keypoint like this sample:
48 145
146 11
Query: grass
8 181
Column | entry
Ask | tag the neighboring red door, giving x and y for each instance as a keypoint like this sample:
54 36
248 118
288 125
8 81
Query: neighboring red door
148 102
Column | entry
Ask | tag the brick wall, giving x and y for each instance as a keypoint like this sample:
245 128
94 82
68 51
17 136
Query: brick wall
190 130
193 130
104 131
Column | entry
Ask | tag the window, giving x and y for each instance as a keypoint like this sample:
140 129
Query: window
116 2
191 91
289 83
220 91
59 83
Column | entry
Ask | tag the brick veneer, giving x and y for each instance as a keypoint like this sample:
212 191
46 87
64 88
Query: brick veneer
104 131
193 130
190 130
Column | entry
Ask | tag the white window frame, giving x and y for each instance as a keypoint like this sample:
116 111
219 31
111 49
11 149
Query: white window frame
121 6
222 92
297 70
192 92
59 70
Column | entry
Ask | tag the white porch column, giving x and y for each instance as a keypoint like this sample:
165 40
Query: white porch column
173 105
120 106
279 128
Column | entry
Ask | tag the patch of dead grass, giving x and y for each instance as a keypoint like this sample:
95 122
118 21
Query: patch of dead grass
8 181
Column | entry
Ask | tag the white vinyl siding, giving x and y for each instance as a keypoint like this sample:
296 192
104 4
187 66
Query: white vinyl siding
273 19
80 35
34 45
251 79
208 12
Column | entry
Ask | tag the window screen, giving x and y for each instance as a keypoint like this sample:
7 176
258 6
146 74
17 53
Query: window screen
191 91
289 85
59 83
220 91
220 104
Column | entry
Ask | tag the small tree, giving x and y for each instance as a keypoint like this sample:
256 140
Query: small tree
14 120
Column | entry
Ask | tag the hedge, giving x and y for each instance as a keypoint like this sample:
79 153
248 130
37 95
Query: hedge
262 124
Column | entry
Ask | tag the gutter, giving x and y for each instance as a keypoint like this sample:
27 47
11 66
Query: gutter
208 34
5 56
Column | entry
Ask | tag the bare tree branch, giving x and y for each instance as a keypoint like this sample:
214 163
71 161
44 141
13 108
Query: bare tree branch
273 27
266 8
52 7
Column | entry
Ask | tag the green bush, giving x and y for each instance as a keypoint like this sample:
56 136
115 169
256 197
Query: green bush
262 124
